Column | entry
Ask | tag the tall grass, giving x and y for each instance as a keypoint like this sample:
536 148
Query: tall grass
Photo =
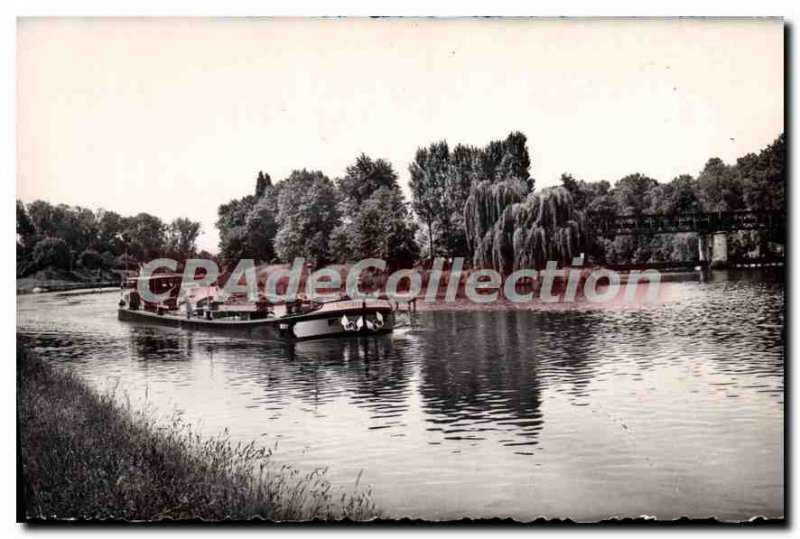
85 456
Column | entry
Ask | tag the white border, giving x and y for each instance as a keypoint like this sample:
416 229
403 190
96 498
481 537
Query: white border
11 9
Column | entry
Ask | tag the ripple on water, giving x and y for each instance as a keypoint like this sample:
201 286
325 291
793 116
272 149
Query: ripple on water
675 409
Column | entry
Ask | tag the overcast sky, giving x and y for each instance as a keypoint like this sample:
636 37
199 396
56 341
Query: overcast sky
175 116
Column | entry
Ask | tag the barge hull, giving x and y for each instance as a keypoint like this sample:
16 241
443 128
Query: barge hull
304 327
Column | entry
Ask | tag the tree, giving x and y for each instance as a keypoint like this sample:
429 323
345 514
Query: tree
182 236
363 178
720 187
261 225
596 200
26 231
486 204
52 252
91 259
762 177
632 194
679 196
232 226
516 161
512 232
146 236
376 221
263 182
126 262
110 230
502 160
42 216
307 215
247 226
441 182
383 229
429 173
75 225
593 197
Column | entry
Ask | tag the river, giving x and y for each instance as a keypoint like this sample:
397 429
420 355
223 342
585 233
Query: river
583 412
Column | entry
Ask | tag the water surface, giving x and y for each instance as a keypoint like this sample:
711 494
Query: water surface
582 412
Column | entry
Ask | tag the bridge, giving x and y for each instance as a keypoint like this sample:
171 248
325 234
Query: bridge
712 228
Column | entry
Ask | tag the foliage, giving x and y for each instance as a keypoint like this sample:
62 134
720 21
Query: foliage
719 187
146 235
362 179
75 225
526 234
484 207
263 181
384 229
441 182
681 195
182 238
247 226
376 220
140 237
467 199
633 194
307 215
52 252
231 223
91 259
763 177
261 225
755 182
431 196
26 230
110 232
126 262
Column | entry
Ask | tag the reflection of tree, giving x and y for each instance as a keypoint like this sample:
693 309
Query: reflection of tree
149 344
477 376
484 371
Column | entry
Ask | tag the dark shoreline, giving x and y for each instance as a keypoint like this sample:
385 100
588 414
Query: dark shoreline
47 286
83 456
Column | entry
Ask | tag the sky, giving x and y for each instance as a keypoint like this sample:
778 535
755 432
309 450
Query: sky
175 116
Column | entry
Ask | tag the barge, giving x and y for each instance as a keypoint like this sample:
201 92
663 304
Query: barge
286 321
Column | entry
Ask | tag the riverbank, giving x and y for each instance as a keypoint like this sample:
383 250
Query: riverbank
84 456
51 280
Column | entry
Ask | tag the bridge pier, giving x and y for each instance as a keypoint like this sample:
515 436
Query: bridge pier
702 247
719 250
762 248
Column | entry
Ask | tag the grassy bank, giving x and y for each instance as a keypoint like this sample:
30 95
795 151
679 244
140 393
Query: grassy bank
84 456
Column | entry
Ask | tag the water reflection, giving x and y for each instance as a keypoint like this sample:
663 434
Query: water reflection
156 344
537 411
480 374
371 370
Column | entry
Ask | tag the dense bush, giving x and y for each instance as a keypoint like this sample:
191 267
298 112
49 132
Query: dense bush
91 259
52 252
126 262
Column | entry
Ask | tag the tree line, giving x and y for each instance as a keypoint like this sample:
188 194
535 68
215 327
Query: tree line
71 237
754 182
479 203
363 214
308 215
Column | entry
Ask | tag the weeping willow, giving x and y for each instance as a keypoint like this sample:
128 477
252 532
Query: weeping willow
486 203
523 233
